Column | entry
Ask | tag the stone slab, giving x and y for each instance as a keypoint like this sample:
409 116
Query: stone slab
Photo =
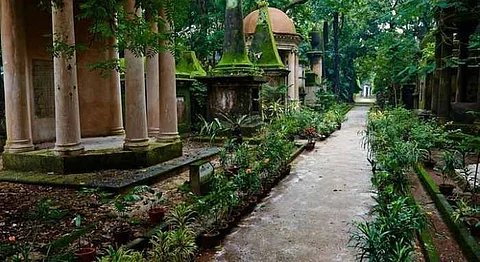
110 179
117 158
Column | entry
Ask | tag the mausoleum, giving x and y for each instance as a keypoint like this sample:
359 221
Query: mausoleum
287 41
52 95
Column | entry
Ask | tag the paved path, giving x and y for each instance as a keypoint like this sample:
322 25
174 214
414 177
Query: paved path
307 217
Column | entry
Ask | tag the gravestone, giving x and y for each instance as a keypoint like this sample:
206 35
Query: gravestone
43 89
200 172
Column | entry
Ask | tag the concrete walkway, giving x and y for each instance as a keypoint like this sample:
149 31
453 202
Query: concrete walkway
307 217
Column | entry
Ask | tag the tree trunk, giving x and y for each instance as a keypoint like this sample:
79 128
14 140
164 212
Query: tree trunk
325 47
336 60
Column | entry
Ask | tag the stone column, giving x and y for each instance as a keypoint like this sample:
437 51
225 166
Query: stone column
478 90
67 114
291 76
444 92
298 75
136 134
117 118
463 35
317 68
14 50
168 130
153 83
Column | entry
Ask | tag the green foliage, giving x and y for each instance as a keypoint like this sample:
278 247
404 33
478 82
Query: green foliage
390 236
182 216
46 210
211 129
68 239
62 48
122 255
176 245
464 210
325 99
451 162
396 142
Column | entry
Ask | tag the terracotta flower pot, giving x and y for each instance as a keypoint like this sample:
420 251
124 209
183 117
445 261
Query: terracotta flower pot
446 189
210 239
471 223
310 146
86 254
122 236
224 229
156 214
429 163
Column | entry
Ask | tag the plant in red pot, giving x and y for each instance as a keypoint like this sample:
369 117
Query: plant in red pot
123 204
468 214
451 162
157 210
310 133
85 252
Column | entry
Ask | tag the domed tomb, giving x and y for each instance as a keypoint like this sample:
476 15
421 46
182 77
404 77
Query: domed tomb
281 23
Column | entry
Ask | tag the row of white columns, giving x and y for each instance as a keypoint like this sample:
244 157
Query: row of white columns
162 120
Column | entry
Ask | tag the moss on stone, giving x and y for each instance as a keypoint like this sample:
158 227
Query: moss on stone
469 246
264 43
236 69
234 60
188 66
47 161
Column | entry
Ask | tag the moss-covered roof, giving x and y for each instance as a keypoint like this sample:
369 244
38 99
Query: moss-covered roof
263 43
188 66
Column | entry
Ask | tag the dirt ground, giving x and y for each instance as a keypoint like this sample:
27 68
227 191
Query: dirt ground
34 216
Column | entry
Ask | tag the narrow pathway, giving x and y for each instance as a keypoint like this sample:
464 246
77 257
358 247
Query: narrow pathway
307 217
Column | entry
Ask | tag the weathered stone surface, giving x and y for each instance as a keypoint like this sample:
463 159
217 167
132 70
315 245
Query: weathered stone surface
264 47
46 161
110 180
188 66
200 172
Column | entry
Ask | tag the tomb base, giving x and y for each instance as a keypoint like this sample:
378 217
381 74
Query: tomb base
91 160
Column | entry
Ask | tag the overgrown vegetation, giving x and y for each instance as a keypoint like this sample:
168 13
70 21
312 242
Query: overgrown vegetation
393 152
397 140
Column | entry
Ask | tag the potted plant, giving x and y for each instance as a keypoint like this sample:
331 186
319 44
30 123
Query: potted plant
323 131
84 253
122 232
451 162
177 244
310 133
427 135
469 215
122 254
157 209
210 236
